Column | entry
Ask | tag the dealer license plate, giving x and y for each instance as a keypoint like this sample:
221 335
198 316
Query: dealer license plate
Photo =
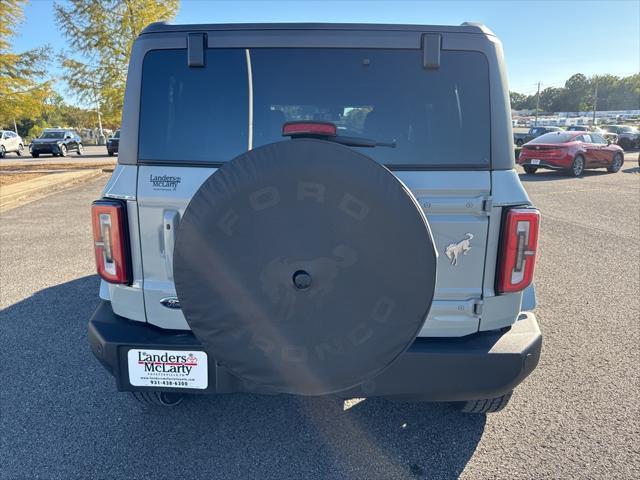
168 369
535 162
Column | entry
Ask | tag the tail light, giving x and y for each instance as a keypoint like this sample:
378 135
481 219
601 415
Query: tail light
110 239
518 246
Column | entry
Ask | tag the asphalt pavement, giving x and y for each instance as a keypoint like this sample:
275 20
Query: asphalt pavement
577 416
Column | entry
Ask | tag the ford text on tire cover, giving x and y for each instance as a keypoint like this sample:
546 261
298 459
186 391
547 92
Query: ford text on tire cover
316 209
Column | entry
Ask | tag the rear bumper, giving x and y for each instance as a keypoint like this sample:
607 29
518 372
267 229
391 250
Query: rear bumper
561 163
543 164
483 365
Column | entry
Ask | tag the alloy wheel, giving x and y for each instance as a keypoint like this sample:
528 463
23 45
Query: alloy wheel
578 166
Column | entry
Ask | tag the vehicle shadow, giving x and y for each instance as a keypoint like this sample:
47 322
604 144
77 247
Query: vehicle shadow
63 417
550 175
631 170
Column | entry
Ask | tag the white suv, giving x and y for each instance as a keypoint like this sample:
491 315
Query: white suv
317 209
10 142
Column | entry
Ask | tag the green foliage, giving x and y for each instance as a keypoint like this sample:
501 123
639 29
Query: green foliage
34 132
103 32
23 88
578 94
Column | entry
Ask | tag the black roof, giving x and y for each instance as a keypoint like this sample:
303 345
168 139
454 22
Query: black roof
467 27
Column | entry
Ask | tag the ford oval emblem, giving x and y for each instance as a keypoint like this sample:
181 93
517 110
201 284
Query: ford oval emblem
171 302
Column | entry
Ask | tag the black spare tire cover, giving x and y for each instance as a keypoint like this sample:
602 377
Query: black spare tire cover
304 267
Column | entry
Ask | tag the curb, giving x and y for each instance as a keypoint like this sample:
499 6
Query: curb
17 194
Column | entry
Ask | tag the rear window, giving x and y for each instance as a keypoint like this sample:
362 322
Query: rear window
554 137
436 117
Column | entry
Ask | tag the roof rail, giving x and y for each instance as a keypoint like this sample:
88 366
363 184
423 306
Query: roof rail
478 25
152 26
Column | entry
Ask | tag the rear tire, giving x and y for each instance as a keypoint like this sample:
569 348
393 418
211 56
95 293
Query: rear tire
3 151
577 166
63 151
616 163
158 399
80 150
529 169
20 150
488 405
35 155
110 153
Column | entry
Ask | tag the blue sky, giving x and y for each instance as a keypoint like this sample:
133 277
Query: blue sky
545 40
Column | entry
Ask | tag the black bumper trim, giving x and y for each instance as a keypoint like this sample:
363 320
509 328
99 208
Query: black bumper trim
482 365
542 165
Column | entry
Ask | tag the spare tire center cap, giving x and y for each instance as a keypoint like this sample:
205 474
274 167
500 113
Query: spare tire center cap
301 280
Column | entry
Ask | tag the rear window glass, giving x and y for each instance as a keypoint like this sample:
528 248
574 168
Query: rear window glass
436 117
554 137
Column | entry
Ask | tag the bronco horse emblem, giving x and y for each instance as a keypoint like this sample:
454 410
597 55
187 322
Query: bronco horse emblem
454 250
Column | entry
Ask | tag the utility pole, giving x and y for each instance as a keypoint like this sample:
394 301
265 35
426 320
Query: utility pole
535 123
595 103
101 139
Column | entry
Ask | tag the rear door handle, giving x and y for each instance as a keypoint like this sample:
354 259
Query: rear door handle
171 218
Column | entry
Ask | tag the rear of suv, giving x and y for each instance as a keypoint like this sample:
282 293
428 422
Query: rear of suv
112 143
340 216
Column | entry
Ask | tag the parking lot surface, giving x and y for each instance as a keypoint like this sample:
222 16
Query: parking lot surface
578 415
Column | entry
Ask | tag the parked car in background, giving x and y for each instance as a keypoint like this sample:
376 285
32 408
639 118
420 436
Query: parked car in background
521 139
573 152
628 136
113 143
612 137
10 142
57 142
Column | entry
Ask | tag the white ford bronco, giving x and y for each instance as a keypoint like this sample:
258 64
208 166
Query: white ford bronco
316 209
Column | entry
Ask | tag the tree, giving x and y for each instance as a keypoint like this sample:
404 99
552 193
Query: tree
517 100
23 88
103 32
551 99
577 92
626 94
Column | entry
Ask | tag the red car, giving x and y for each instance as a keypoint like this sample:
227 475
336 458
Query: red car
571 151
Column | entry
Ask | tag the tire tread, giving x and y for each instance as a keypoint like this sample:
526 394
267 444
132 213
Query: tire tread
152 399
488 405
